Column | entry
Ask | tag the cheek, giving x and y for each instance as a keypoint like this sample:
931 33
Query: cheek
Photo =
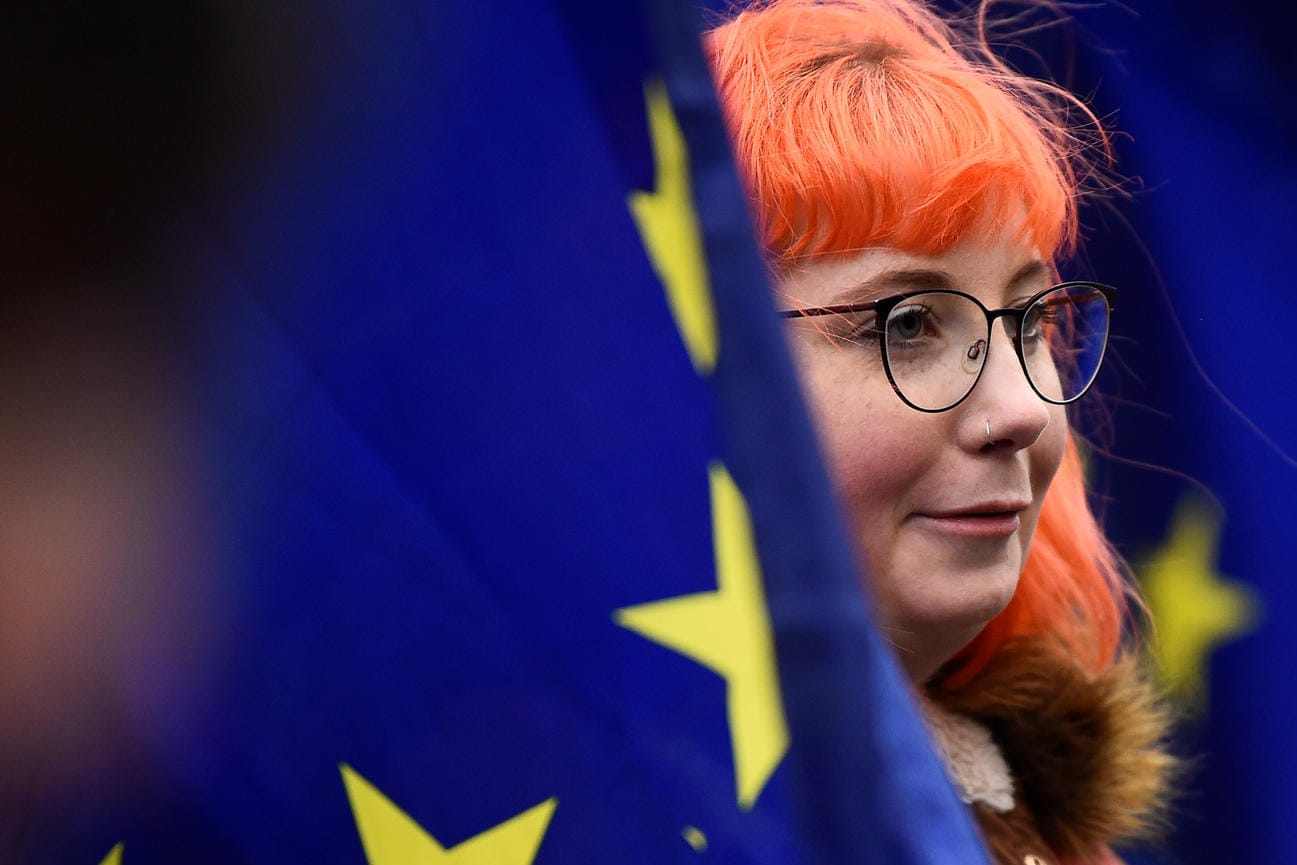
873 443
1044 458
1047 453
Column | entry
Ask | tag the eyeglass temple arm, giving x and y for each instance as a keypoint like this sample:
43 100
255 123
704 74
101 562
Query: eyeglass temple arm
810 312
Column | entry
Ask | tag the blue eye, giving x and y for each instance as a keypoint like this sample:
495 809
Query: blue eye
909 323
1038 323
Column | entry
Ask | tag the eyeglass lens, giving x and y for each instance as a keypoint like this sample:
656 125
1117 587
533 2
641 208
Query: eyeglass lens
936 344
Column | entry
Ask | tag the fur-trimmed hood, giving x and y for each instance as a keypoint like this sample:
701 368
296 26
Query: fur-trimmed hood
1086 752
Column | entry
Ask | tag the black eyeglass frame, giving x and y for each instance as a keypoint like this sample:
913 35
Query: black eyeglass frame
883 310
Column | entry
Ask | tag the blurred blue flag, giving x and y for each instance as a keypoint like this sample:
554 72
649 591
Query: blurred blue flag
521 547
1201 489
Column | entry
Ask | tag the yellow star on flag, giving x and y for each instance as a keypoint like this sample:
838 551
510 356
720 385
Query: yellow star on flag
728 631
668 226
1194 609
114 856
391 837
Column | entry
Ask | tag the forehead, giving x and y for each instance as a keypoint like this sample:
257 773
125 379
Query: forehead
994 268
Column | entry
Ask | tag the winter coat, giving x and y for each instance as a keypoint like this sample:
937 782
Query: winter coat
1057 764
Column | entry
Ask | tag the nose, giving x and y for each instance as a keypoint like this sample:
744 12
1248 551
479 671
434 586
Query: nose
1003 401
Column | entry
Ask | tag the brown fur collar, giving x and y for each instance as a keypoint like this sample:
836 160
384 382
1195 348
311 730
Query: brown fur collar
1086 751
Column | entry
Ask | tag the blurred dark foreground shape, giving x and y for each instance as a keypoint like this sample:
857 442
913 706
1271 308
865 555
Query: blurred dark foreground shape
114 121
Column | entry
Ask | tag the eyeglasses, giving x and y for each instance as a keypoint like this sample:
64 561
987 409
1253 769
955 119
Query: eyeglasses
934 344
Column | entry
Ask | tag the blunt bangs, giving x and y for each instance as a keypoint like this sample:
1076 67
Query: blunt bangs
858 127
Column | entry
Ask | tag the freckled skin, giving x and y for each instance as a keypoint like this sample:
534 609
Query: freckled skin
933 588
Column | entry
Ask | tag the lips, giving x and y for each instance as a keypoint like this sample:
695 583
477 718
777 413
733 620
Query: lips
991 519
994 508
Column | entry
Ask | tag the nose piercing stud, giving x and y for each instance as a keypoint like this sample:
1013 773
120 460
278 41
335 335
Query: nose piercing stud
989 440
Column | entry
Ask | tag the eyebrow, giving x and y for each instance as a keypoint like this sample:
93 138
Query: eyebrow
903 280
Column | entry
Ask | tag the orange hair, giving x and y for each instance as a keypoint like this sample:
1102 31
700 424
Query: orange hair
868 123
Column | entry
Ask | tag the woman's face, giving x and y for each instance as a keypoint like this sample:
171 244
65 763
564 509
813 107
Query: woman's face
942 513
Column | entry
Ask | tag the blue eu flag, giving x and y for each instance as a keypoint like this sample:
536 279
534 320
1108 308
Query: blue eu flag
523 547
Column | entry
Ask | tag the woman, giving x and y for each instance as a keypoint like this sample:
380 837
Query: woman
916 199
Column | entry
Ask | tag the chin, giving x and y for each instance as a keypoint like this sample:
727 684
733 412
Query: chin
989 596
929 627
967 596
